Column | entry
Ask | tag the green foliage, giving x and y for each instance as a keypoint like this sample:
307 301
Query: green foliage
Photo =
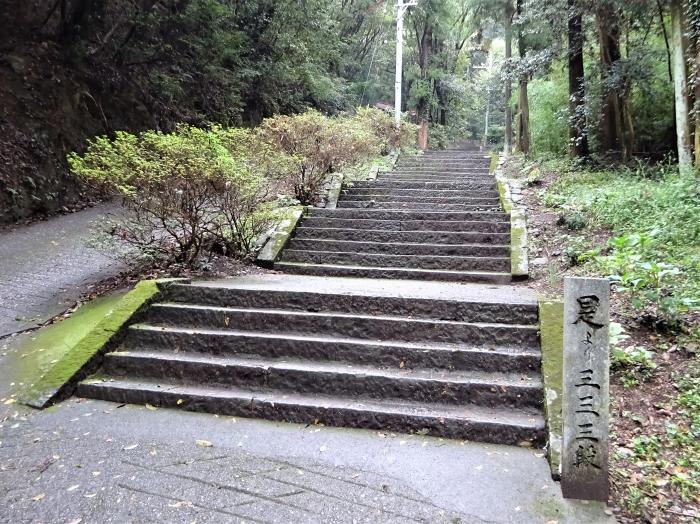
184 191
381 124
438 137
655 218
197 190
549 99
315 145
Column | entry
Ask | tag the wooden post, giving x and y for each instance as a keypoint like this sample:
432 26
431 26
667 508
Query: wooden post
586 402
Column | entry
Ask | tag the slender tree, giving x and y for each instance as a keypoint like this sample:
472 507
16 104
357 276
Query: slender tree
680 84
522 143
509 12
578 138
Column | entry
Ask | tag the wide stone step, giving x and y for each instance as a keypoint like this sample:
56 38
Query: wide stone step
490 226
502 425
503 305
450 250
451 263
332 270
399 355
400 214
418 193
375 327
494 200
439 166
448 170
491 389
427 176
463 186
416 206
369 235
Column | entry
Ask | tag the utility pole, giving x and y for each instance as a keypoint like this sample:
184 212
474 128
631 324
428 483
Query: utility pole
401 8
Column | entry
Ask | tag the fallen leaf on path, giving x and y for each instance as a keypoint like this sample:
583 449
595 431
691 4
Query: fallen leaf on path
73 487
129 448
39 497
151 407
204 444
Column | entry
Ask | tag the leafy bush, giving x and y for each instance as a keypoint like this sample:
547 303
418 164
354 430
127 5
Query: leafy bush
381 124
184 191
438 138
654 214
315 146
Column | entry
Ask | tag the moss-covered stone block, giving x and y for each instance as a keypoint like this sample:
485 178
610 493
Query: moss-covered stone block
334 191
520 265
76 362
552 346
272 249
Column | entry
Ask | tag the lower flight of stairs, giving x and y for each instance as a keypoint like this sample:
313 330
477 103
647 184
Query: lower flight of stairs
435 217
448 360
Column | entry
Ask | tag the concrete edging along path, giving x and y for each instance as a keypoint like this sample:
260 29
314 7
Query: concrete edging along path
510 200
79 360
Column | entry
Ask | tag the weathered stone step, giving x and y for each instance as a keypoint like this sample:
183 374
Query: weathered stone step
430 200
463 186
490 226
503 305
416 206
354 350
452 250
428 176
442 166
491 389
343 324
419 193
331 270
503 425
390 214
369 235
438 170
451 263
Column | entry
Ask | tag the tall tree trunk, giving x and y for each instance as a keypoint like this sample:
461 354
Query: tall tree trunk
509 12
611 121
423 108
522 143
697 102
578 138
680 84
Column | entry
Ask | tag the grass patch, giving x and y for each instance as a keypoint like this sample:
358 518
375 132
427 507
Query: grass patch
654 216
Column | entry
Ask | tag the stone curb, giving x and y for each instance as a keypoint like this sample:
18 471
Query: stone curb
552 347
85 356
510 195
334 191
272 249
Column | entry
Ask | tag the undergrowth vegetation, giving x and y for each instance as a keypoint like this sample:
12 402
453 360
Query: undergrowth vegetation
654 216
196 191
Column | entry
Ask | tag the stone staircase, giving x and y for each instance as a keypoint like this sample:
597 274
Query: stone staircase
435 217
448 360
413 355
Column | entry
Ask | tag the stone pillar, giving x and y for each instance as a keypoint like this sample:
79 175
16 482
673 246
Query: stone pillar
586 402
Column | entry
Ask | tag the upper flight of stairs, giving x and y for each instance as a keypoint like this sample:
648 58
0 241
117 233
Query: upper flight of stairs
448 360
411 355
435 217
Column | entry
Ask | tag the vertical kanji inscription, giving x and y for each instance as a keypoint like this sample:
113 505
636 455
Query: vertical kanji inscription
586 389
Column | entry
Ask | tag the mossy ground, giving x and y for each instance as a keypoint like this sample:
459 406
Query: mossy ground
57 355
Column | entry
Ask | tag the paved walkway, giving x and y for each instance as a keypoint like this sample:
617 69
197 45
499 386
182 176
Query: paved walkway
46 266
90 461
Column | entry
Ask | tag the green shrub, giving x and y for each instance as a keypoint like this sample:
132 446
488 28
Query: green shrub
381 124
183 191
654 214
316 146
438 137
